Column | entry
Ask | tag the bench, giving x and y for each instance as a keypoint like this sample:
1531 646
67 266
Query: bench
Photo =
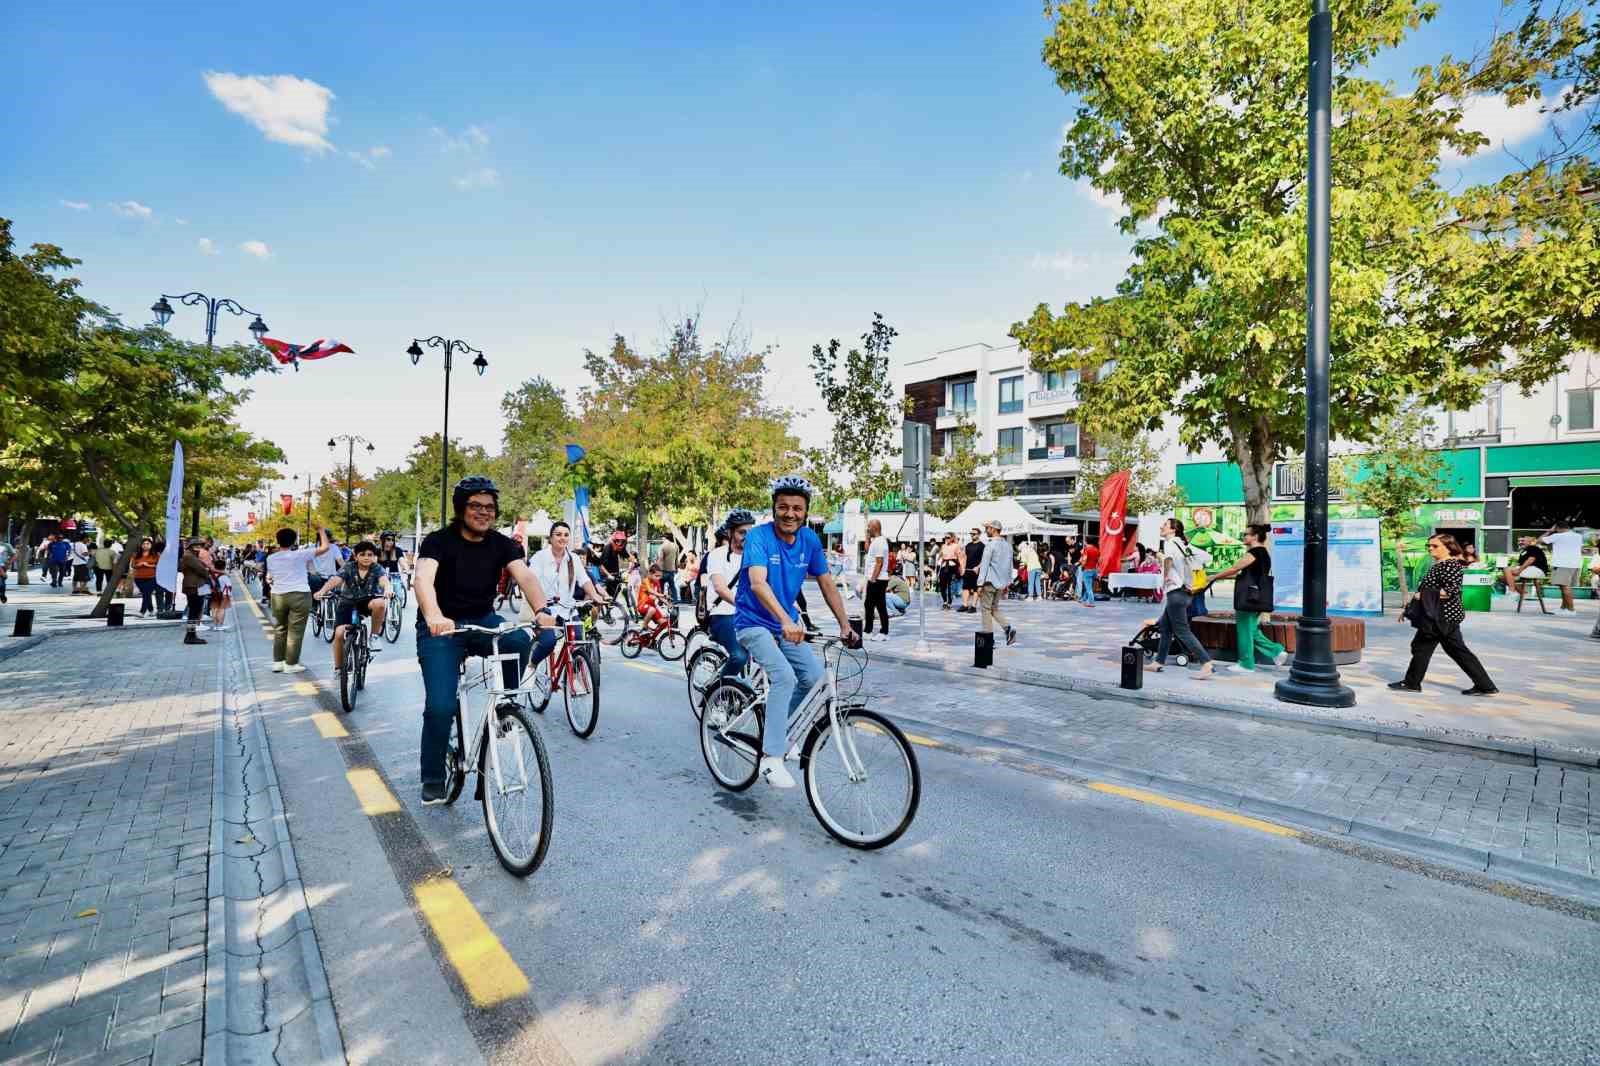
1217 635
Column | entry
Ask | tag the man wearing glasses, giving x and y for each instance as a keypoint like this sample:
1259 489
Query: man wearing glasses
456 575
972 557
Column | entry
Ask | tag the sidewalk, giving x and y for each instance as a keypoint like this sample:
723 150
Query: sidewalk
58 611
134 926
1546 667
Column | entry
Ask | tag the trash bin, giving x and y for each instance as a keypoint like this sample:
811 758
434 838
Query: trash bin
983 650
1132 666
114 613
1477 588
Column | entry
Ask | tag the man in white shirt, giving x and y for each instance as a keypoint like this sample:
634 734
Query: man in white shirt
325 564
877 571
291 597
1566 559
560 573
996 571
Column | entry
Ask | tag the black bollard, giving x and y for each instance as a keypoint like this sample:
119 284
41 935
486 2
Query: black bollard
114 614
24 623
982 650
1132 666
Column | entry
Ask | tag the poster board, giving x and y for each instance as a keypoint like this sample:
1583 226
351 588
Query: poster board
1355 580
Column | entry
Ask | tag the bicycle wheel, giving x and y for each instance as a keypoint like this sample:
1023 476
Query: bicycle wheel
697 638
543 682
870 809
730 734
347 675
671 645
455 760
703 668
316 619
327 621
392 620
582 693
609 623
631 642
400 593
519 801
363 658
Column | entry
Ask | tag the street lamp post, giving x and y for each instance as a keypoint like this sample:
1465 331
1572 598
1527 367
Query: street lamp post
450 347
163 312
1313 678
349 474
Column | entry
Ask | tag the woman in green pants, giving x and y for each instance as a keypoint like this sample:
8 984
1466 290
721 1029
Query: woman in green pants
1253 568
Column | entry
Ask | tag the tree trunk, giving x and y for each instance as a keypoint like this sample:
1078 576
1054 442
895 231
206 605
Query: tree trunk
118 571
25 552
1253 451
641 528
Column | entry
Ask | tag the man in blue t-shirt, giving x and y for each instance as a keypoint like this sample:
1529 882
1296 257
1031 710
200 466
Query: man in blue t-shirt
778 557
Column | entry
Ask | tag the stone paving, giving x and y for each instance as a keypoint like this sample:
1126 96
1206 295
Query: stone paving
57 610
1545 666
106 782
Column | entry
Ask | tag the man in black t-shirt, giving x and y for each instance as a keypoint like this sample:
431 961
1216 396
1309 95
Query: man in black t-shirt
457 572
613 561
1531 565
972 556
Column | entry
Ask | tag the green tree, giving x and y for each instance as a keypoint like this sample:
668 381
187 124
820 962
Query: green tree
1146 493
955 474
1192 112
395 494
860 397
531 468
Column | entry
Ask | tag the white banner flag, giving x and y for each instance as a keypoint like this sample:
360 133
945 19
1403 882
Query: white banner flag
167 567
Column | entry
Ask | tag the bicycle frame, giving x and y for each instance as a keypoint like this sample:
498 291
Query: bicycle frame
823 698
489 680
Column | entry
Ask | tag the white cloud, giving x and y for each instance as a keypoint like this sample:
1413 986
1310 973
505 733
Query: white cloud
287 109
131 209
1502 123
1067 264
258 249
75 205
206 245
181 221
379 151
470 139
366 159
485 178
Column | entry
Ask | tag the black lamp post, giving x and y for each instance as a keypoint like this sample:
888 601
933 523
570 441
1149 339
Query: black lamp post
450 347
349 475
163 312
1313 678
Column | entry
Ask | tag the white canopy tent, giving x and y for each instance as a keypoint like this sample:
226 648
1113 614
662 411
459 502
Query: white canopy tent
1014 519
902 525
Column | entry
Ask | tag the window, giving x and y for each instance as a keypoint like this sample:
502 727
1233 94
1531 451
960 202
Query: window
1051 380
962 396
1580 408
1063 435
1009 450
1043 486
1011 395
955 440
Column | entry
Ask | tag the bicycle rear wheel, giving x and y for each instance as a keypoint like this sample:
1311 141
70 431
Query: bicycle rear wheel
872 807
316 619
671 645
582 693
543 682
610 622
348 689
730 734
704 665
519 801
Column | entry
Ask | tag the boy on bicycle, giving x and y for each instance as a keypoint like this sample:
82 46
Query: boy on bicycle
363 588
777 559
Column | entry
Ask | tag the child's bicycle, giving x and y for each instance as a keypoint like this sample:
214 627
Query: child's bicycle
660 634
574 668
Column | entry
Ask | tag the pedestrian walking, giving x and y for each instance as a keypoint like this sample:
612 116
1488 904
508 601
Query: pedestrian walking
668 561
7 554
995 574
1436 612
1088 571
1029 557
291 596
196 576
1178 561
1252 597
221 600
877 574
104 559
949 570
971 556
60 559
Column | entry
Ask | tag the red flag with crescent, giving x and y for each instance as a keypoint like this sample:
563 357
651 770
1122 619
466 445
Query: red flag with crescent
1113 520
320 348
287 499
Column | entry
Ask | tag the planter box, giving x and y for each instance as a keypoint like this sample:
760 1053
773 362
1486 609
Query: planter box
1217 635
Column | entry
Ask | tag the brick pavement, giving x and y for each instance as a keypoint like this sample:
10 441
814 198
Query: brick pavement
105 812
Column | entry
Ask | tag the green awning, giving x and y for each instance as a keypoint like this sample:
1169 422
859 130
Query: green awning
1556 481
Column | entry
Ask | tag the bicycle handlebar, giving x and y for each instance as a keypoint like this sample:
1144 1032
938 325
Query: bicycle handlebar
494 631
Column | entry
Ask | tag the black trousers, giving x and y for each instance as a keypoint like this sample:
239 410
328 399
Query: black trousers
100 578
1422 646
877 600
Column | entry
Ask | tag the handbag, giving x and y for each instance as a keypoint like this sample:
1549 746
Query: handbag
1425 613
1251 593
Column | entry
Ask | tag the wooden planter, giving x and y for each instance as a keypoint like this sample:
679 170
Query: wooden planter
1217 635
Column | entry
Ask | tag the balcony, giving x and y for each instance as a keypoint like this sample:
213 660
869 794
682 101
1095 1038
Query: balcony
950 417
1045 402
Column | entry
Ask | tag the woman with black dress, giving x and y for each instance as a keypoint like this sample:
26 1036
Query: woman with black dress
1252 570
1437 613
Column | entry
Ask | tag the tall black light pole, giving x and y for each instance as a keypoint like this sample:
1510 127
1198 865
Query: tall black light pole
213 304
349 473
450 347
1313 678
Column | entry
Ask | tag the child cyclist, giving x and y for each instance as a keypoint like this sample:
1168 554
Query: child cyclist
649 599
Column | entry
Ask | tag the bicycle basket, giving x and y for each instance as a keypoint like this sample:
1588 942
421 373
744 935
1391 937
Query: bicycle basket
850 669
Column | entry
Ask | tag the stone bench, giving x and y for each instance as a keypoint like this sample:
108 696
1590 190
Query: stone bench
1217 635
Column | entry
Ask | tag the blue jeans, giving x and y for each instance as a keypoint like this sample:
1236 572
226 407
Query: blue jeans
1086 583
1033 583
440 659
722 631
147 588
791 672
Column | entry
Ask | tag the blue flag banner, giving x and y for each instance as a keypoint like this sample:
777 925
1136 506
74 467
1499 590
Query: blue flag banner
575 452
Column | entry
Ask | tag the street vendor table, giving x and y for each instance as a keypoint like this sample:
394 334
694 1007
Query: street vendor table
1150 582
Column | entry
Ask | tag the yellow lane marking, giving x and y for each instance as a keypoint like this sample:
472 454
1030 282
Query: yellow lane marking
374 795
1245 821
480 960
637 665
329 726
925 742
305 688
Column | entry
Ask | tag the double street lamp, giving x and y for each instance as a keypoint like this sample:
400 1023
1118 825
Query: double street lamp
349 475
450 348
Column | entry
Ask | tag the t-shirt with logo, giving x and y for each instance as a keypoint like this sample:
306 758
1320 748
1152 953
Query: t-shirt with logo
469 570
788 565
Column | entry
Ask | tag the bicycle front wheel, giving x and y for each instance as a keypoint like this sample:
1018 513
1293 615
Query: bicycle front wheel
316 620
704 665
730 734
671 645
363 660
347 675
518 794
327 621
392 620
610 622
631 646
864 786
582 692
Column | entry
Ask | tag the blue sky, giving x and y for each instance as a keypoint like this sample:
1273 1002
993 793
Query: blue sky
535 178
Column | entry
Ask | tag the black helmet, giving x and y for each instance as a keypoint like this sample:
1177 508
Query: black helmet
472 486
388 534
737 518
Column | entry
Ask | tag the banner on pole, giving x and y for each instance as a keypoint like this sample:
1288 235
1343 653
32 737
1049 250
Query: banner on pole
167 566
287 499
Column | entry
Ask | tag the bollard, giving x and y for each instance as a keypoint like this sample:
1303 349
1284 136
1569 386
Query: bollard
1132 666
982 650
24 623
114 614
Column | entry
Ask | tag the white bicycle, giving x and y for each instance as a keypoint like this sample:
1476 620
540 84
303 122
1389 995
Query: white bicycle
861 775
506 752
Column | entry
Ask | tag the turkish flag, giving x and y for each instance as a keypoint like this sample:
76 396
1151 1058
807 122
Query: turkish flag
1113 520
253 522
288 502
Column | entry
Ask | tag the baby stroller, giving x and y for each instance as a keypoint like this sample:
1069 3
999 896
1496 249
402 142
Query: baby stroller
1149 639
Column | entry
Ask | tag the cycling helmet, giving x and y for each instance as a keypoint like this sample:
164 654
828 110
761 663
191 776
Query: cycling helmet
472 486
792 485
740 517
388 534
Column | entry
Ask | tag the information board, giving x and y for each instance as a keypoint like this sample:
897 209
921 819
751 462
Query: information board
1355 576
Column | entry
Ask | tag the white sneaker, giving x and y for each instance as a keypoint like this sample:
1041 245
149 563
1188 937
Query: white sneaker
223 628
277 666
294 668
775 773
1569 611
1280 658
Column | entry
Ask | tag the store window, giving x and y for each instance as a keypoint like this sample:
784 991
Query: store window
1580 408
1011 395
1009 449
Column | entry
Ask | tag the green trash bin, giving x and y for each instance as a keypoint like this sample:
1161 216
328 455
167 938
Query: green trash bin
1477 588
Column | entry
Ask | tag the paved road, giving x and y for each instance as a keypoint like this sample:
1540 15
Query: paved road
1026 917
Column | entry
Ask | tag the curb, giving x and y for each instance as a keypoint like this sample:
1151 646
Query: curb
1490 863
1475 743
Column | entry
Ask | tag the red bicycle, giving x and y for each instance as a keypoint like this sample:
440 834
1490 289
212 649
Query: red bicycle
574 668
661 634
